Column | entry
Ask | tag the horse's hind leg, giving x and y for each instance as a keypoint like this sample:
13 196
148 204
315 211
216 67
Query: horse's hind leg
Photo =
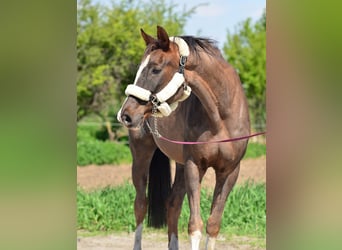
224 184
174 206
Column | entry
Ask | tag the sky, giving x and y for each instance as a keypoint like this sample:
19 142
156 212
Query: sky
217 17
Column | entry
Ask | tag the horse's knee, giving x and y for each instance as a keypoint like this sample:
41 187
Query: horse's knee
195 224
213 227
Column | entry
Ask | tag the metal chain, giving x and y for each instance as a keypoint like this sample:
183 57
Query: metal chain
155 132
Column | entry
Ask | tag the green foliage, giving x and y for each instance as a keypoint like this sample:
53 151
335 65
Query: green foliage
255 150
102 152
109 48
89 127
112 209
91 150
246 51
107 209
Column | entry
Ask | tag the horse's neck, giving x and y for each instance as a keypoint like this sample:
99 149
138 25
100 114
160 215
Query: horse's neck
214 96
208 99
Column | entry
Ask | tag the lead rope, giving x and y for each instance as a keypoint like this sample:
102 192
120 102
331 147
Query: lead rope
158 135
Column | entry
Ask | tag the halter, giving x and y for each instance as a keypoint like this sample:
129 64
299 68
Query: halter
159 100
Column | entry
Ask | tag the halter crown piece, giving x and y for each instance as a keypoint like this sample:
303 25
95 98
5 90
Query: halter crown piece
159 100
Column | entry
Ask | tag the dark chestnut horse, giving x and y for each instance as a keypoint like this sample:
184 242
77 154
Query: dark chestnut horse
184 90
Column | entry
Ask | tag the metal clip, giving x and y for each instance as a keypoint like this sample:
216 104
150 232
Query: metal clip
182 62
154 100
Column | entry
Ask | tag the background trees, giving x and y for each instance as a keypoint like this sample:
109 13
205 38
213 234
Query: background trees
246 51
109 49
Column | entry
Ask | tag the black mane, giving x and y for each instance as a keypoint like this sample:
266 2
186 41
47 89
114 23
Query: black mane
198 44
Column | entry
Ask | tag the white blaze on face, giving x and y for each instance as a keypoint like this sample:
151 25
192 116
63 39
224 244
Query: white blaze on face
118 116
141 68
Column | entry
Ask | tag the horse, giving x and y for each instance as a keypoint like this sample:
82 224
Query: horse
185 99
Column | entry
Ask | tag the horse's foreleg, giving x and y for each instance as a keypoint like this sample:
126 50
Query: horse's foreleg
224 184
139 177
140 202
174 206
193 176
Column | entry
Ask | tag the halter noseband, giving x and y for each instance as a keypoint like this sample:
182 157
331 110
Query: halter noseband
159 100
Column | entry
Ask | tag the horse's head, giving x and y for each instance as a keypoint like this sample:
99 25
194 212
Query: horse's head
157 87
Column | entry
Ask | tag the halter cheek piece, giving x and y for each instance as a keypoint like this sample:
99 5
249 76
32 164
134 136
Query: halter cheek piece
159 100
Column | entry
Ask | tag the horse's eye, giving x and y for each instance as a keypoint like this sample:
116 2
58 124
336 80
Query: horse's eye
156 71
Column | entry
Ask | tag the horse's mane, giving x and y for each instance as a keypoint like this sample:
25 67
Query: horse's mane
201 44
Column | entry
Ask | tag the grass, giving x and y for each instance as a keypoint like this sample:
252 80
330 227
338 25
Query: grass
102 152
106 209
111 209
255 150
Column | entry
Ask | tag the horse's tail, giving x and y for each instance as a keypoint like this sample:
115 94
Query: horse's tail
159 188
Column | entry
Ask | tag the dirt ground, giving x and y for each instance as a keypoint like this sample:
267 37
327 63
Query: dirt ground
158 241
96 177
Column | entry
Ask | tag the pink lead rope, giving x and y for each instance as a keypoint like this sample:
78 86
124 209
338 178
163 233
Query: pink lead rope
204 142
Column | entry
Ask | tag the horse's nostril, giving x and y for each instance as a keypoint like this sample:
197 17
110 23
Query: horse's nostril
126 120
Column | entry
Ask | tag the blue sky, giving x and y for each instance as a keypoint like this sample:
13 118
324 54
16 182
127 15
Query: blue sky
219 16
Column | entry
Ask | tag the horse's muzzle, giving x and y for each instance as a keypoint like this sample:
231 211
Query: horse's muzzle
130 120
131 114
126 120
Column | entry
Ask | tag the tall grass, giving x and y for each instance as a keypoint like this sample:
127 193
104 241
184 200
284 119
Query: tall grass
111 209
106 209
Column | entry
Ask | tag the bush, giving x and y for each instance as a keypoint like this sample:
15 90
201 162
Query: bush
102 152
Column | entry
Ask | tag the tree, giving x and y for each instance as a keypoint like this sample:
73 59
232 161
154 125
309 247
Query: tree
109 48
246 51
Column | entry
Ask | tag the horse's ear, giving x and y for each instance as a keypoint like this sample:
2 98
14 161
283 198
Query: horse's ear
148 39
163 38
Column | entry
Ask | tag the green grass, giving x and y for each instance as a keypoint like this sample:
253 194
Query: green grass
102 152
106 209
111 209
255 150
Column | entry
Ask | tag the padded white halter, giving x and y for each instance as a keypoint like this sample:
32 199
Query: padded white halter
183 47
169 90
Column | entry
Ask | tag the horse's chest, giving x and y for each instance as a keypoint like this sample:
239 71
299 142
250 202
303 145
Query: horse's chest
173 151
